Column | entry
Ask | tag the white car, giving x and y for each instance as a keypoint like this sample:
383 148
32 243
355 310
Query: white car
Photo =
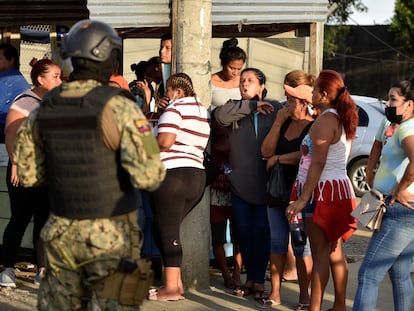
371 112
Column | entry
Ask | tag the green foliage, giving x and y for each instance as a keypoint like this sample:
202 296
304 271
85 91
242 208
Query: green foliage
344 9
402 24
335 36
335 40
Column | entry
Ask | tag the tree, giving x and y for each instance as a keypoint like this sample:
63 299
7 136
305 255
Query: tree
335 36
344 8
402 24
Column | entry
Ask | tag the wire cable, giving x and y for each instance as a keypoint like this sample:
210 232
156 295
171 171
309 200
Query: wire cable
380 40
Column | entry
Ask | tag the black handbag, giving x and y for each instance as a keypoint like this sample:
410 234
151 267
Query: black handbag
277 194
211 168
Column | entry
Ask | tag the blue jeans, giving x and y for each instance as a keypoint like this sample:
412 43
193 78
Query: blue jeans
279 234
390 250
253 227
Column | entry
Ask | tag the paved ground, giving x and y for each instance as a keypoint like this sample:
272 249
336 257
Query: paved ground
217 297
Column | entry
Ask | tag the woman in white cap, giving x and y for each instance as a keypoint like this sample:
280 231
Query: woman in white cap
282 144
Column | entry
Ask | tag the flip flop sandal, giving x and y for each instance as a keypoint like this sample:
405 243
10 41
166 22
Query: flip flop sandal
302 307
242 291
260 295
267 304
153 296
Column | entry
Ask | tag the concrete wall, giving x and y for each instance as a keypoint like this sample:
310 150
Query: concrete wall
274 60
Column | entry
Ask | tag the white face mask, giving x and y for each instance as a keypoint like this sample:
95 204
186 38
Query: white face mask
173 98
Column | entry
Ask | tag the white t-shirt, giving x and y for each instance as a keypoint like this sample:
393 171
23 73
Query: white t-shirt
26 102
220 96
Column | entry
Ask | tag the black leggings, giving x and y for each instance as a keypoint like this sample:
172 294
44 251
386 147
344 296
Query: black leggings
24 203
178 194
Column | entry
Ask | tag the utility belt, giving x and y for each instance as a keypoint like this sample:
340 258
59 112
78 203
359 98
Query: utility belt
126 286
131 282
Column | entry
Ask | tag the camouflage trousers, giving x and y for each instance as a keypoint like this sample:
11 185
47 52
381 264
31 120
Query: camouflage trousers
78 253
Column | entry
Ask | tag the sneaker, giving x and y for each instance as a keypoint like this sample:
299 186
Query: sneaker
8 278
39 276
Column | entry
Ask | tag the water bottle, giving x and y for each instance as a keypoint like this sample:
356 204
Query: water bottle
297 229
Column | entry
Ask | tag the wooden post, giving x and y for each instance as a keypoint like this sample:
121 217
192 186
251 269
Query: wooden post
316 48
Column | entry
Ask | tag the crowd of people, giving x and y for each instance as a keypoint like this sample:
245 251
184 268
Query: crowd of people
84 158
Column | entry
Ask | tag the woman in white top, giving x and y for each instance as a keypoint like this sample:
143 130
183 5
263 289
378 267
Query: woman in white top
323 188
225 83
224 86
25 202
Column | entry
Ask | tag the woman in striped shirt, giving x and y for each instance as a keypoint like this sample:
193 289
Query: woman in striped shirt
183 132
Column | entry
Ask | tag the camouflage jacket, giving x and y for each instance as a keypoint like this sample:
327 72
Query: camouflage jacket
122 122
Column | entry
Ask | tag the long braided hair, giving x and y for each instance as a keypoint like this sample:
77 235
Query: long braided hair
182 81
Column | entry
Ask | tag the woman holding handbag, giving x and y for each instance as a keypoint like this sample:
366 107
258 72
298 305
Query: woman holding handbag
392 247
282 144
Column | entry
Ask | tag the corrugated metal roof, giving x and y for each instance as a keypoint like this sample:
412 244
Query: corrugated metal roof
156 13
123 14
41 12
227 12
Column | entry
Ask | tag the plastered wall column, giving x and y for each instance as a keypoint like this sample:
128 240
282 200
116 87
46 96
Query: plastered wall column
193 33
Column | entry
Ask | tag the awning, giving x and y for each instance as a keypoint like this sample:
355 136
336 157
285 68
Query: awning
41 12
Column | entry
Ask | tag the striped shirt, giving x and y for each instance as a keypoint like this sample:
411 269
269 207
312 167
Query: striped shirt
188 119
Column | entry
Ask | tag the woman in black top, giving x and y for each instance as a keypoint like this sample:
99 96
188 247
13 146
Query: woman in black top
282 144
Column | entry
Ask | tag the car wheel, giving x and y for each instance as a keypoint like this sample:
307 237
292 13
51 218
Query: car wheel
356 173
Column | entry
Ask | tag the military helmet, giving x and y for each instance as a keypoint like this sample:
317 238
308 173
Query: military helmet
90 39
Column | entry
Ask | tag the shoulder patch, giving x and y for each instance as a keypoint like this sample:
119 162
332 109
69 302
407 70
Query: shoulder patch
143 126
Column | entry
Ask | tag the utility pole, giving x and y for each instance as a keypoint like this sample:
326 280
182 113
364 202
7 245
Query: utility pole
192 31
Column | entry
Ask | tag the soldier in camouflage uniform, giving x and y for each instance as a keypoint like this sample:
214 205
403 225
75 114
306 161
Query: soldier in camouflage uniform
93 146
